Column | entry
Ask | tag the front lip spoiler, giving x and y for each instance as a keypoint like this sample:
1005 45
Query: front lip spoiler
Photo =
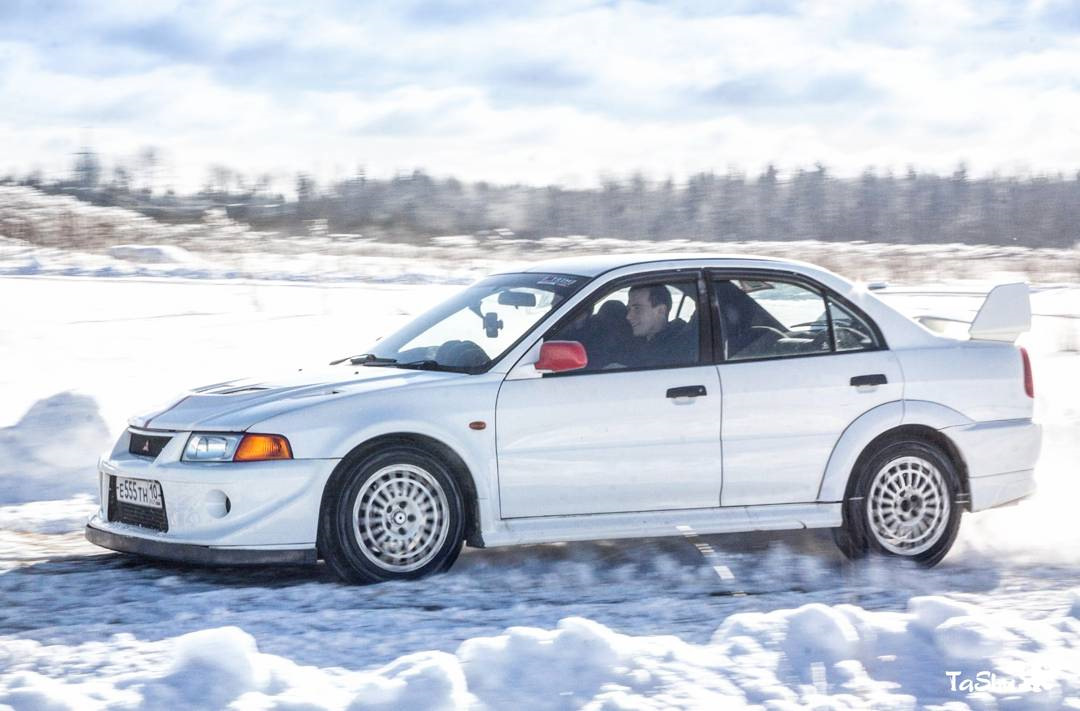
189 553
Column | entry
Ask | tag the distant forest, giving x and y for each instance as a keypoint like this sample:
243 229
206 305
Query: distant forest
911 208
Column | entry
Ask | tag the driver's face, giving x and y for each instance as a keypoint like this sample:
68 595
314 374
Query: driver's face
645 319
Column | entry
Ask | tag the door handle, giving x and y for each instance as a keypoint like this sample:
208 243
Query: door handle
688 391
869 380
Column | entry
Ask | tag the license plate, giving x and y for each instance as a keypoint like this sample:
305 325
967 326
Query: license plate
139 492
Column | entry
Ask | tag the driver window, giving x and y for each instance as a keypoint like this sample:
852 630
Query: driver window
771 319
646 325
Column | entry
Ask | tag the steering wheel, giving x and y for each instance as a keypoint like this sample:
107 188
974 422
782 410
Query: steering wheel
857 337
808 323
777 331
820 342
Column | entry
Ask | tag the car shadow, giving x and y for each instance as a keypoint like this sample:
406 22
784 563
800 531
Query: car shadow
268 576
753 563
743 563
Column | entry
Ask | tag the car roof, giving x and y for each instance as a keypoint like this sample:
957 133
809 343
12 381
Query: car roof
596 264
899 330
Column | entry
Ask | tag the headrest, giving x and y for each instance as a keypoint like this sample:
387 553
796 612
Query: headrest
612 310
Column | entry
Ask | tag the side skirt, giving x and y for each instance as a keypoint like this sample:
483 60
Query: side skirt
649 524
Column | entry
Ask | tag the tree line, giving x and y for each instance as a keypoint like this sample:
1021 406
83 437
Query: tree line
910 208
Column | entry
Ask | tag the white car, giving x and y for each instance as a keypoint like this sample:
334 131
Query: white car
594 398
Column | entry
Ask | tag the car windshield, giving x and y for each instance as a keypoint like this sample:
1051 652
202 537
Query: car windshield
477 326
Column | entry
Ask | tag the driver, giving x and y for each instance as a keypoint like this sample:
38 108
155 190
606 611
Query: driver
658 341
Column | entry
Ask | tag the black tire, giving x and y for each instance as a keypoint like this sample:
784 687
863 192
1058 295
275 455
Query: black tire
353 548
873 509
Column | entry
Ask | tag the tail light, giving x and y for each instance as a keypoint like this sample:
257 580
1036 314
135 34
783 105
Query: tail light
1029 381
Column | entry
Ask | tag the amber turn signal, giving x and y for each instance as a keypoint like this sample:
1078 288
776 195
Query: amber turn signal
260 447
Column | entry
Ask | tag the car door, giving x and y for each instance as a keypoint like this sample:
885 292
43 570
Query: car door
797 365
635 430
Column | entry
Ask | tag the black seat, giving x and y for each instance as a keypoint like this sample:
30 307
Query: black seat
748 328
609 335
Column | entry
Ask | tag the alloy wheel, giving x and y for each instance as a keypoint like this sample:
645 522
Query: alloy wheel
908 505
400 518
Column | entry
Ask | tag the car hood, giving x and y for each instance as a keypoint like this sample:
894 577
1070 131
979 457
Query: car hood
236 405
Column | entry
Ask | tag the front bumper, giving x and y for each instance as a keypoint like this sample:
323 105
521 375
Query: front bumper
188 553
228 512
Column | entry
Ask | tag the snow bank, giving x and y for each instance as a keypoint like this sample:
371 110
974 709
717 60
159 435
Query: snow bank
60 516
209 669
52 451
842 656
286 262
152 254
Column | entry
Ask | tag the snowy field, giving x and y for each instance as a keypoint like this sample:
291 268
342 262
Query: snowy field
612 625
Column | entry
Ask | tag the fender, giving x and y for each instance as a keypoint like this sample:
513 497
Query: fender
350 422
872 424
475 452
480 469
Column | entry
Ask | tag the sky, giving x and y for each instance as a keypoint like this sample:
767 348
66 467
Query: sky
565 92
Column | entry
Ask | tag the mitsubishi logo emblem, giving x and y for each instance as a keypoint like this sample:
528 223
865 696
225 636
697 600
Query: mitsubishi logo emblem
146 446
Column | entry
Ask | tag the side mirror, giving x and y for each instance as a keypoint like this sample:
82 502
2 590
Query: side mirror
560 356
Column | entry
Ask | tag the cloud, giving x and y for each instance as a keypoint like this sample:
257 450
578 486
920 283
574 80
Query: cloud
418 113
1061 15
544 74
710 8
455 13
166 37
537 82
771 91
542 92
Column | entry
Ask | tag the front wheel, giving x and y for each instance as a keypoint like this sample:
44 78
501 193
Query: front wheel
903 504
397 514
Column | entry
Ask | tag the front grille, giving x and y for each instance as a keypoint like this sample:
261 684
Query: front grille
123 512
143 445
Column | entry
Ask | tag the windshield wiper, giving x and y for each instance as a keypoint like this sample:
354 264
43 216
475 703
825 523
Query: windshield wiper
425 364
363 358
429 364
375 361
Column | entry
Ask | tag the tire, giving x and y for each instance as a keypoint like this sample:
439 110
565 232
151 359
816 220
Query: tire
902 504
396 514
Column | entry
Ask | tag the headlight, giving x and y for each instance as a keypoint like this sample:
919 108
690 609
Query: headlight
236 448
211 447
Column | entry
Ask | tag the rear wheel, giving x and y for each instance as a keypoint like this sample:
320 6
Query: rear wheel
903 504
396 514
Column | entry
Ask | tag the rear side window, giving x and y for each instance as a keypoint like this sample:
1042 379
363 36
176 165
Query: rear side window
770 319
851 331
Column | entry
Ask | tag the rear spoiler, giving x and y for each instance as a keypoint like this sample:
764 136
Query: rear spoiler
1003 316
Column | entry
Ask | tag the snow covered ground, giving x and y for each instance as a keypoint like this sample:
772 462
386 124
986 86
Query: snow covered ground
617 625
